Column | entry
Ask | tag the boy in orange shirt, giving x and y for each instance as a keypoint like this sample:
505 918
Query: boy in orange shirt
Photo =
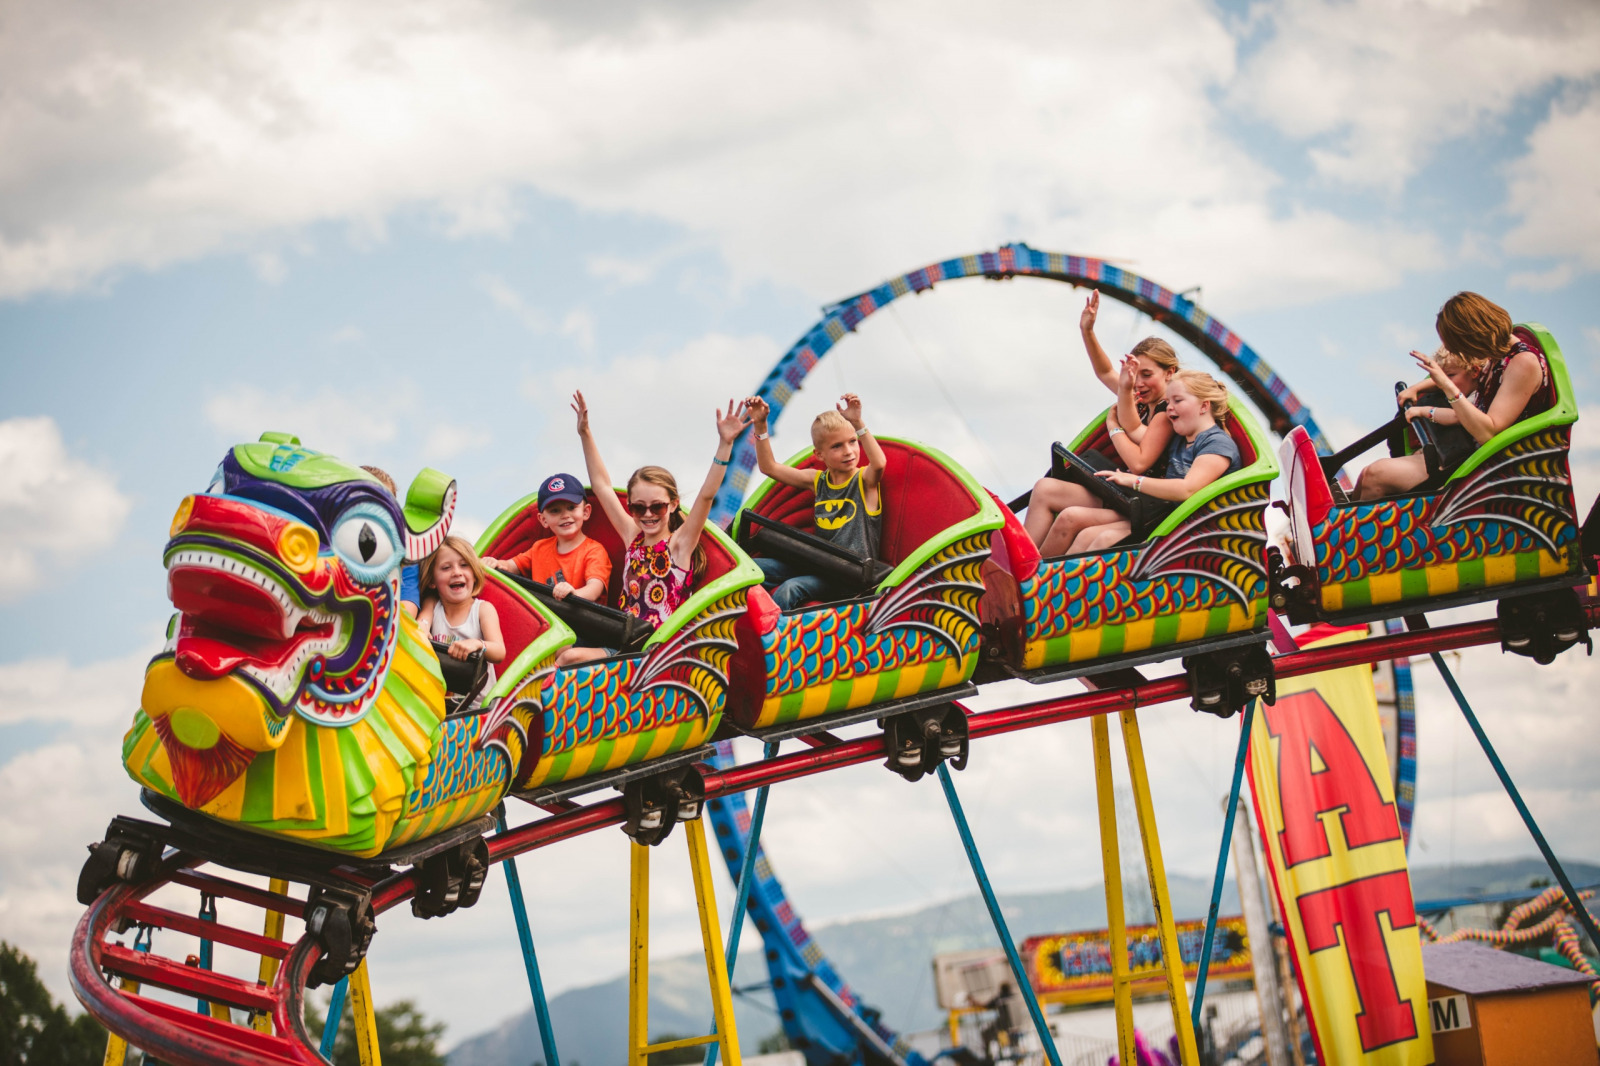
571 563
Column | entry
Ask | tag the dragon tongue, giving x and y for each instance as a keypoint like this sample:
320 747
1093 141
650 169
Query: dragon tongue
205 659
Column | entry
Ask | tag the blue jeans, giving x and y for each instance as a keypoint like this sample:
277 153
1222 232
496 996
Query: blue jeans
790 587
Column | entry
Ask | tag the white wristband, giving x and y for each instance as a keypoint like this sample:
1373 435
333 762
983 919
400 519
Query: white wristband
862 432
763 436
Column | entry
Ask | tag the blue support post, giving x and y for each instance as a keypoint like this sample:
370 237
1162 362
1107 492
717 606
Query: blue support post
519 908
1017 972
742 897
208 913
1222 862
330 1027
1516 797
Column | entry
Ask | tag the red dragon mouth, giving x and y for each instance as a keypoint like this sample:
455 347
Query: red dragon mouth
235 615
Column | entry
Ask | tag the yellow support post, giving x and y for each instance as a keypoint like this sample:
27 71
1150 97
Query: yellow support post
1121 987
364 1016
727 1035
272 928
711 937
1155 868
116 1047
639 954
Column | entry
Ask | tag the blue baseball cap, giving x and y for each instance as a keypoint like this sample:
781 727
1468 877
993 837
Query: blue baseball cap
560 487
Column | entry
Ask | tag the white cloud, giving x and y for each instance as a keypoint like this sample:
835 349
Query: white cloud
1555 188
270 267
1556 277
510 300
1374 87
446 440
64 791
327 420
52 505
803 145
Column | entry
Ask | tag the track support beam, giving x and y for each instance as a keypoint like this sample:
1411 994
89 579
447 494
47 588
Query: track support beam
1018 973
530 960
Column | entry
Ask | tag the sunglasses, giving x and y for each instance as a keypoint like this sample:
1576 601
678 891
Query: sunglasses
639 510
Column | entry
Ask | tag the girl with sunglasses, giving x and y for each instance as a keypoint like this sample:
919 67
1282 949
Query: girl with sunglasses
664 558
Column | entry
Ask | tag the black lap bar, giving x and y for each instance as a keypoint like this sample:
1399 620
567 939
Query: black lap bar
1068 466
461 676
760 534
596 625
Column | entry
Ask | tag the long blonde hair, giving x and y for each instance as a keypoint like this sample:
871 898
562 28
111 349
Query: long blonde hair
462 547
1158 352
661 477
1207 389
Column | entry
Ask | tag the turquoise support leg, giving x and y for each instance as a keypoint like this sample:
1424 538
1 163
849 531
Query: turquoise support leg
330 1028
1516 797
1017 972
1222 862
746 875
530 961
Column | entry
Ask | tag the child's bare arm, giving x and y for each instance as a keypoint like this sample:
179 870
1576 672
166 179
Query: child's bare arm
730 424
592 590
766 462
850 407
600 477
494 645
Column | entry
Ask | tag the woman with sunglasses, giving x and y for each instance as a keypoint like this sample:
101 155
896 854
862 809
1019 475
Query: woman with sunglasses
664 557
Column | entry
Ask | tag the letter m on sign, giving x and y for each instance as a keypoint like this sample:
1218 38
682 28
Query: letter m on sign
1303 723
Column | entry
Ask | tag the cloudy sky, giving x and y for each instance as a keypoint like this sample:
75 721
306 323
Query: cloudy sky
407 230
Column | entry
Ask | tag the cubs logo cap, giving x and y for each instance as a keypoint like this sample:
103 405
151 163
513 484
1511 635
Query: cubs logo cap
560 487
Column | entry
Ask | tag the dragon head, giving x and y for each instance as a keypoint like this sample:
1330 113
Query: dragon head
285 574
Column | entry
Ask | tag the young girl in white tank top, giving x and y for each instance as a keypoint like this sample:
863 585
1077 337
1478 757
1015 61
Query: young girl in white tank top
451 579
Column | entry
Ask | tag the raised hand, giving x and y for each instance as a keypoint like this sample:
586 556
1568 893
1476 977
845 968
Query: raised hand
731 423
758 411
1435 371
581 409
1091 311
849 406
1126 373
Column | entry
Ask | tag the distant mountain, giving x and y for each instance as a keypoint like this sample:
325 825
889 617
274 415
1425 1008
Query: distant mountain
888 960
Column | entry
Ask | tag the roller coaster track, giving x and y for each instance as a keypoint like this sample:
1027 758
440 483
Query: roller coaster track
260 1021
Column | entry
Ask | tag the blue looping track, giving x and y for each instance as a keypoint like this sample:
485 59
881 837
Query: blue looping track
796 964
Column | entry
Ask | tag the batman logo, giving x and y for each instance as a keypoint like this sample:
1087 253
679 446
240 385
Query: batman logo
834 514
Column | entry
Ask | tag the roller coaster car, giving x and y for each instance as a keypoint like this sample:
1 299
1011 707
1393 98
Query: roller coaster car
1195 587
661 693
913 630
1501 526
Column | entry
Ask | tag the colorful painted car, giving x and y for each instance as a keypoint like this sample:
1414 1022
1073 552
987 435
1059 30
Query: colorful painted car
664 697
1198 581
913 630
294 697
1503 519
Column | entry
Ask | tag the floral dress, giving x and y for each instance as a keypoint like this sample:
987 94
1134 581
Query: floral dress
653 586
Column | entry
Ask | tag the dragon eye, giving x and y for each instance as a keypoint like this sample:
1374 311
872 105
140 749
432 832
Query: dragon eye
366 542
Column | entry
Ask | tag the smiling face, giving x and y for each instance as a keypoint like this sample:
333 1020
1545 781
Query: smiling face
651 506
452 577
1150 382
1189 415
564 518
840 452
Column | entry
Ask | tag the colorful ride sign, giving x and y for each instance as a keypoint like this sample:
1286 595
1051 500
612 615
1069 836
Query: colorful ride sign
1075 968
1326 808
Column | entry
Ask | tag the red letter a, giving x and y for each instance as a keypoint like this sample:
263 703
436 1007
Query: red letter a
1303 721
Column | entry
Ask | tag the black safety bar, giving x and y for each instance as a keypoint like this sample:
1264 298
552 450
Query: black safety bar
597 625
1066 465
758 533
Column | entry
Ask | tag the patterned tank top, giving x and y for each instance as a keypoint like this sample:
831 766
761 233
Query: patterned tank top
1490 379
841 516
653 586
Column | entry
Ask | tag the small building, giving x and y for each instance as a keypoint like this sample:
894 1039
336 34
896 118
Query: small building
1496 1008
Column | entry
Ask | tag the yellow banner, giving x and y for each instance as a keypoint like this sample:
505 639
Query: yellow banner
1075 968
1325 805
